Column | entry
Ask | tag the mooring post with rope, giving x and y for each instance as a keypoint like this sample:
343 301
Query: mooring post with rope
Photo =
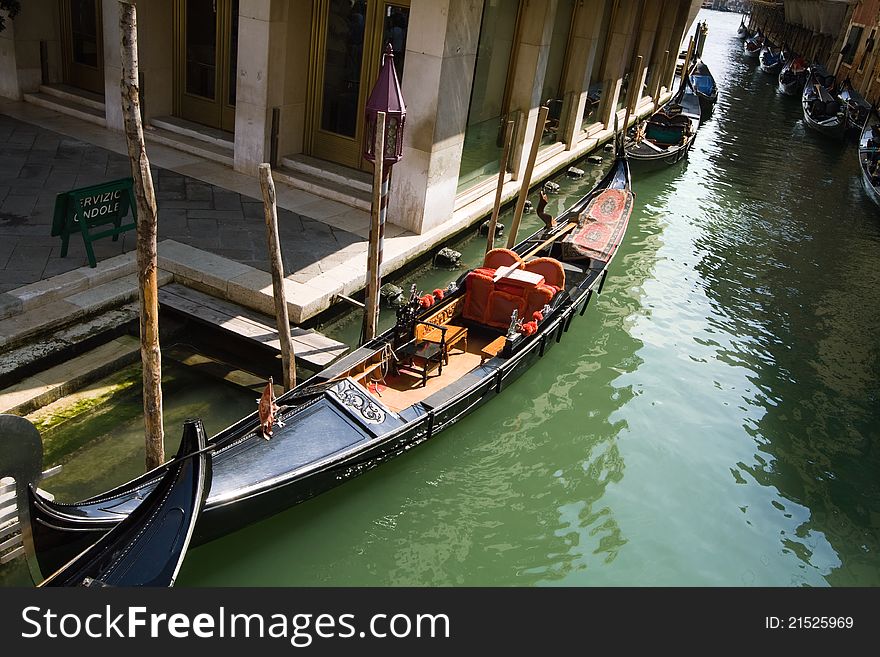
527 176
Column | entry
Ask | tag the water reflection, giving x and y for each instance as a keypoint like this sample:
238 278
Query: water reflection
778 274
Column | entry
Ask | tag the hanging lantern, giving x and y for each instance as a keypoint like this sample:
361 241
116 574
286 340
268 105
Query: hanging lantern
385 97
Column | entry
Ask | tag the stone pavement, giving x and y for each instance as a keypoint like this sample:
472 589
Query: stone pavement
36 164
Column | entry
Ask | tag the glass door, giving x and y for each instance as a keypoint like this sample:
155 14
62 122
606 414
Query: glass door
206 40
351 37
82 44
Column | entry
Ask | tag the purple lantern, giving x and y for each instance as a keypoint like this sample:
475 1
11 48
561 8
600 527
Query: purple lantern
385 97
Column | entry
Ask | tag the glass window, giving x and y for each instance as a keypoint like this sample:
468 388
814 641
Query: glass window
342 66
552 93
395 26
852 44
484 134
84 26
594 95
201 48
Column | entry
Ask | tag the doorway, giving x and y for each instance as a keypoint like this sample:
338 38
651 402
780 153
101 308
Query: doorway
350 38
206 55
82 45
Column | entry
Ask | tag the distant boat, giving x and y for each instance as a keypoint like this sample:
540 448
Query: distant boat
752 46
793 75
668 134
822 111
770 59
742 31
869 157
704 86
856 107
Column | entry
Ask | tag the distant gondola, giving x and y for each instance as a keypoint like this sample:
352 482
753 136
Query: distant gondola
792 76
869 156
770 60
822 111
742 32
855 106
667 135
449 352
704 86
753 45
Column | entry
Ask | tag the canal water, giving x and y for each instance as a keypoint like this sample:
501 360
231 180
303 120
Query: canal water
713 419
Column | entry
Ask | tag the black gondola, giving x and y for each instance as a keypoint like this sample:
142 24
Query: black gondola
856 108
822 111
753 45
770 59
668 134
742 32
869 156
704 86
448 353
147 547
793 76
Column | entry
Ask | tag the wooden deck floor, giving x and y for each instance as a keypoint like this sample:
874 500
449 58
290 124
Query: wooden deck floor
312 349
398 392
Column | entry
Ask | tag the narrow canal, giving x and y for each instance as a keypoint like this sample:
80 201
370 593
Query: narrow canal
713 420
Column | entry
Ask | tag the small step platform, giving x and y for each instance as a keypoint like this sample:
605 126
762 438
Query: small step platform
310 348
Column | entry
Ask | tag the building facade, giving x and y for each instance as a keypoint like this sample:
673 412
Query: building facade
251 81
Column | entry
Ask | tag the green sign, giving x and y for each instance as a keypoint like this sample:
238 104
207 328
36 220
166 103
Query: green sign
90 211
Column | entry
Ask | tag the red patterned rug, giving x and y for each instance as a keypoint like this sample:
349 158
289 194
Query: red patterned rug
600 226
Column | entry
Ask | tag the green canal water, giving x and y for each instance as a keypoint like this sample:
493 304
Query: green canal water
713 420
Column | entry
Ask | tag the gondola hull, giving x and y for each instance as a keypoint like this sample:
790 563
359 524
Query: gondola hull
791 85
822 113
704 86
334 429
752 48
646 153
869 155
769 61
147 547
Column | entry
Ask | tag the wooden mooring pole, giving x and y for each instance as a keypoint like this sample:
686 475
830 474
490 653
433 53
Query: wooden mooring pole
502 170
377 229
147 252
273 245
527 176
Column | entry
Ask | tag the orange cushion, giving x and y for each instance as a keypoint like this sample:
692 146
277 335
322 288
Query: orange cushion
501 306
537 298
500 258
478 287
550 268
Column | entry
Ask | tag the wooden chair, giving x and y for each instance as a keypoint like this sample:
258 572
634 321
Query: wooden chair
448 334
421 357
414 354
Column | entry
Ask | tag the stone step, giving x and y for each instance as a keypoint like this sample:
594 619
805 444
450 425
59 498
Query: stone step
330 171
320 186
56 382
71 108
34 295
64 343
72 308
192 130
72 95
206 149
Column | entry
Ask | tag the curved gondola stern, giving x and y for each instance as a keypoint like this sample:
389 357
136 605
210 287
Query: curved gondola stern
148 546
